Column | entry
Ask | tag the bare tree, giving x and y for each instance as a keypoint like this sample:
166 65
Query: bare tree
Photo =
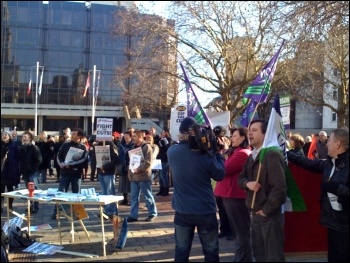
224 44
319 72
147 75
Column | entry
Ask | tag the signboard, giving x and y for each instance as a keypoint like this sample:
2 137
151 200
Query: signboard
177 115
285 111
104 128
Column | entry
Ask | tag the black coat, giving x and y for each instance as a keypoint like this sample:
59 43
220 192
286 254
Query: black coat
30 159
330 218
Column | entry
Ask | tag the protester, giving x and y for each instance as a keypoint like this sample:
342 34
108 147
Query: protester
30 160
268 193
71 169
334 192
58 144
297 143
10 176
321 146
140 180
46 153
307 145
107 177
193 198
233 196
164 143
124 183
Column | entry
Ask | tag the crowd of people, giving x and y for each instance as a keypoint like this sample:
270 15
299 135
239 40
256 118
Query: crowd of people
233 181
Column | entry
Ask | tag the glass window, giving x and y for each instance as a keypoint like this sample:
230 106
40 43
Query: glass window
54 38
66 18
335 95
65 59
97 40
77 40
334 116
65 38
23 15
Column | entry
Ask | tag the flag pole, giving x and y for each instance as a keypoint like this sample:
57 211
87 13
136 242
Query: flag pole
36 100
93 100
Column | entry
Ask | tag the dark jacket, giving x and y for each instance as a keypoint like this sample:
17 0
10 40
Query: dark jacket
76 166
273 192
163 148
30 159
109 167
11 173
46 154
336 220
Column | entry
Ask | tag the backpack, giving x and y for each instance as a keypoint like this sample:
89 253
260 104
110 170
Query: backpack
19 238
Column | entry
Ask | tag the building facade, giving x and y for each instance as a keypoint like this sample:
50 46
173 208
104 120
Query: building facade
68 39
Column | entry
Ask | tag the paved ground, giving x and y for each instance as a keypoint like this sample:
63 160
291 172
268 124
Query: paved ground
147 241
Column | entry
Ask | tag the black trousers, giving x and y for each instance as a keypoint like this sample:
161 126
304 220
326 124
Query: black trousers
338 246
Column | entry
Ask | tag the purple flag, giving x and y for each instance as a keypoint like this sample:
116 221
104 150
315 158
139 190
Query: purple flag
194 108
260 86
247 116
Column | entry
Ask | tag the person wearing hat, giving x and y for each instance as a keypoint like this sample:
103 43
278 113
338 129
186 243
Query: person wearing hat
321 146
164 143
193 198
10 175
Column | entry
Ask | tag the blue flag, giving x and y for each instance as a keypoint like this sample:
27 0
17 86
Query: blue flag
194 108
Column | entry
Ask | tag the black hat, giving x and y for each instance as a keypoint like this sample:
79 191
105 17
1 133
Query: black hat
187 123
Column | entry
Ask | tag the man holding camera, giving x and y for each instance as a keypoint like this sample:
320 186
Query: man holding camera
193 199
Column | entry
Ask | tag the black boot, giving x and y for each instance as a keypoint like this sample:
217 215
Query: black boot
125 201
161 190
166 191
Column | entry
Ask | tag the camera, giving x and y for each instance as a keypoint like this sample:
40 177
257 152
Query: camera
219 131
202 140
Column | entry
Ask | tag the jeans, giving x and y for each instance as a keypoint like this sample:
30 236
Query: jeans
146 189
64 186
42 174
66 180
207 228
32 178
108 188
164 175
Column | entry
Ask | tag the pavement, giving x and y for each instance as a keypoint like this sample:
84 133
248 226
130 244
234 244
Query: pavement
146 241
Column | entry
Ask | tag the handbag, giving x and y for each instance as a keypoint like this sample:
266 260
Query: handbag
3 162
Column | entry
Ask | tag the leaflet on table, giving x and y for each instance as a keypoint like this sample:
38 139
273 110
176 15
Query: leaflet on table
43 249
73 154
103 155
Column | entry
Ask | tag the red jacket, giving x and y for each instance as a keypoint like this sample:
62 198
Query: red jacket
228 187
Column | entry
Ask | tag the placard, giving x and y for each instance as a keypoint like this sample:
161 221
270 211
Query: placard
103 155
104 128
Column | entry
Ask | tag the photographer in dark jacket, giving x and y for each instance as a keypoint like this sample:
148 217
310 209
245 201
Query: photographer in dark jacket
335 192
30 160
193 198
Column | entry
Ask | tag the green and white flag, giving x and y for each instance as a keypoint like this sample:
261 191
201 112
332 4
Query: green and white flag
275 140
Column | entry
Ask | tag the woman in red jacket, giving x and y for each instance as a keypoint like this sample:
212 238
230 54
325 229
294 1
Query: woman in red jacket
234 197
